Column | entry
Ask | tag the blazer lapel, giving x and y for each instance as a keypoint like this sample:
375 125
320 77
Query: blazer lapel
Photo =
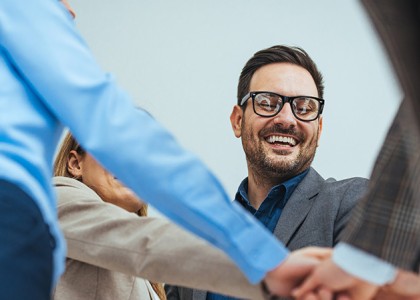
298 206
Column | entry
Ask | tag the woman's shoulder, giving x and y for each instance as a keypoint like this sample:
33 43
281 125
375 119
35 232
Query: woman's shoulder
70 190
59 181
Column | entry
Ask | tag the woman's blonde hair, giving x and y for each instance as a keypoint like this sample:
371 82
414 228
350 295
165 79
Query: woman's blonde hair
61 169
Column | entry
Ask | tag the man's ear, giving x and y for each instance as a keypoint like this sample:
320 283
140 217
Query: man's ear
74 164
236 120
319 130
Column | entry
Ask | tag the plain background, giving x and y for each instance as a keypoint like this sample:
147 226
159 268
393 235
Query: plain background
181 60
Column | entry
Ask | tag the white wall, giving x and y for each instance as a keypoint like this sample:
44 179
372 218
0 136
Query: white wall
181 61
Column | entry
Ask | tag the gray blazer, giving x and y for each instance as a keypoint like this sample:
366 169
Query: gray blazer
315 215
109 249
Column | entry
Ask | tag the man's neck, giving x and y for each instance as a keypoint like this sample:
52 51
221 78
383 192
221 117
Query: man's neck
259 187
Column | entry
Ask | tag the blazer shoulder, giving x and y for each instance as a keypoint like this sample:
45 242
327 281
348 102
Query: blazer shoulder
347 185
345 193
315 184
352 182
70 190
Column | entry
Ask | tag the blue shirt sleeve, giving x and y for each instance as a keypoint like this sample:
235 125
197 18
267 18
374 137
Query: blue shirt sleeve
41 41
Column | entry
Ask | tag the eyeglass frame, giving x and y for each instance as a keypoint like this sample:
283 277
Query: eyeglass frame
285 99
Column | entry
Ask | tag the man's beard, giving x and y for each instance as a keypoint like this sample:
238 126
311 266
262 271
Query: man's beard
277 166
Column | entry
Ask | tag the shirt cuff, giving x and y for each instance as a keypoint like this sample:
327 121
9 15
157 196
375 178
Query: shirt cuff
363 265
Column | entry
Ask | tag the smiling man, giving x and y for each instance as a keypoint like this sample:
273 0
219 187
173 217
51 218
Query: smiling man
278 117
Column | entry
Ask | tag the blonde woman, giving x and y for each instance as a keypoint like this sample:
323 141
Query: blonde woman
111 244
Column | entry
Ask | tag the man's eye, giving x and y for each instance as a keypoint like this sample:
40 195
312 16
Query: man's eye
266 104
305 106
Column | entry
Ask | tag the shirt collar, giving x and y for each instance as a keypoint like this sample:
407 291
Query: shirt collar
284 190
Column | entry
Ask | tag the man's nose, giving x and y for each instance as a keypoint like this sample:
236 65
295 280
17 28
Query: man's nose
286 117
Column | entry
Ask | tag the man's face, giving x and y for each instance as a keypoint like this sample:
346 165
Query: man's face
279 146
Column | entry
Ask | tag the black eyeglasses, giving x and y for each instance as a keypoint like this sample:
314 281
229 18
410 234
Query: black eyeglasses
268 104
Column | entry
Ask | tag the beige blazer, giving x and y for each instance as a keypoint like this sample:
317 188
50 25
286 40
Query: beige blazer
110 248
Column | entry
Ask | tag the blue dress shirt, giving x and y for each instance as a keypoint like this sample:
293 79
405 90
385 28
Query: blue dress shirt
268 213
48 77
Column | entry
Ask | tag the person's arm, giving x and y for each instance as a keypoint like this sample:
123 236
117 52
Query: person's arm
385 223
109 237
46 49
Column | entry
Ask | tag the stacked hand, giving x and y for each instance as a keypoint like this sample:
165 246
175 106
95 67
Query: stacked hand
294 269
310 274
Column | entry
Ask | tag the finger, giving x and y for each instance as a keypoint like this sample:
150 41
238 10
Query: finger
309 296
325 294
343 296
309 285
363 291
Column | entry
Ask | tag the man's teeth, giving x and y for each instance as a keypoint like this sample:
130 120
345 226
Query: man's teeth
282 139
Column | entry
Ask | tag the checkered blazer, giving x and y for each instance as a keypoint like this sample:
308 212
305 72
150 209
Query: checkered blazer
386 222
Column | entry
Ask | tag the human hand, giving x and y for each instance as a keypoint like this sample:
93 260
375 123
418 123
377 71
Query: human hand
328 278
294 269
320 253
406 286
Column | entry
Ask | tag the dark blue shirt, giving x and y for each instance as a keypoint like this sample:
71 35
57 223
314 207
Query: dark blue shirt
269 211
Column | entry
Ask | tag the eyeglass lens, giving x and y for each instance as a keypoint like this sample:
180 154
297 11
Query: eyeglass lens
268 104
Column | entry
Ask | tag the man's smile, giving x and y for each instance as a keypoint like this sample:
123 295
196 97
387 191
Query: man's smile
282 140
